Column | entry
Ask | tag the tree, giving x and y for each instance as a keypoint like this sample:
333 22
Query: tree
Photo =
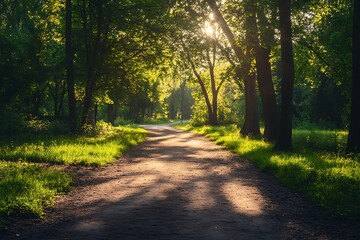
264 75
212 106
284 141
70 78
353 144
251 123
322 31
95 33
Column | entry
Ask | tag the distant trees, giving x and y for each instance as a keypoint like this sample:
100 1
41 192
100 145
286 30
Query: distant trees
31 60
71 59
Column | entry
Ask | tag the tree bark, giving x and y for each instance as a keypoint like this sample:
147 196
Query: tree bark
263 68
353 143
112 112
284 141
213 120
182 88
267 93
60 108
251 123
70 75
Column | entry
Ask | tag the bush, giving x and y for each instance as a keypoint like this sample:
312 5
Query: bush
101 128
36 125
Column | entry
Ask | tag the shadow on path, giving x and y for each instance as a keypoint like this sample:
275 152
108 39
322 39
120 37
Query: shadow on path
177 185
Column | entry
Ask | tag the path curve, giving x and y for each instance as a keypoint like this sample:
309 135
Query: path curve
178 185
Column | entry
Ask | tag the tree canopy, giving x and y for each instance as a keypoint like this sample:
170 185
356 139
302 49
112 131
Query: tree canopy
276 64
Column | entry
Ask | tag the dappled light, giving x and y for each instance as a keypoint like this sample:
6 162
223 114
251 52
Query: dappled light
101 100
179 184
244 202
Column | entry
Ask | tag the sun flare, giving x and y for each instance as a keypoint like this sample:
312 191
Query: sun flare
208 29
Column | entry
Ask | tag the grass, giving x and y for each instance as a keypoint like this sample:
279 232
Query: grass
157 121
25 188
96 150
316 167
27 184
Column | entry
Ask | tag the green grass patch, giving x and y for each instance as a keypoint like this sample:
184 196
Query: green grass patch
25 188
316 167
98 149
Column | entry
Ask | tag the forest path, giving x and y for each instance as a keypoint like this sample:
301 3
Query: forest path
178 185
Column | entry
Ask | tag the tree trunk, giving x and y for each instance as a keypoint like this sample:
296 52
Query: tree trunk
182 88
92 116
213 120
353 144
93 63
112 112
225 27
70 76
95 113
267 93
55 97
203 90
284 141
61 104
263 67
89 89
251 123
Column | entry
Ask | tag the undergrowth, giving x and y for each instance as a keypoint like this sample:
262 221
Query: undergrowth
99 147
316 167
26 187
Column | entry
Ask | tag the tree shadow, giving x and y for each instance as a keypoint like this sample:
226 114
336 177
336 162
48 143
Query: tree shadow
184 189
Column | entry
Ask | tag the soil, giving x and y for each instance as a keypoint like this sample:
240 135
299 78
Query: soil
178 185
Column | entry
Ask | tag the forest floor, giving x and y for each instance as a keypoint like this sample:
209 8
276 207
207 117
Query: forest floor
178 185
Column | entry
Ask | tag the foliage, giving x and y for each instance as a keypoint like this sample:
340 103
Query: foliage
314 168
37 125
101 128
141 62
322 32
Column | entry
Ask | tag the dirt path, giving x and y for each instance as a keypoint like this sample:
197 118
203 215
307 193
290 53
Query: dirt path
177 185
